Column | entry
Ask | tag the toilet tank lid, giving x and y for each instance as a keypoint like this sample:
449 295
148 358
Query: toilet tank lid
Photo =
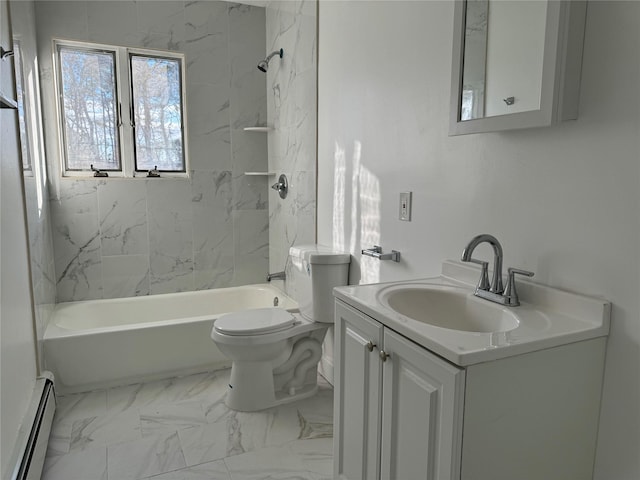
255 321
319 254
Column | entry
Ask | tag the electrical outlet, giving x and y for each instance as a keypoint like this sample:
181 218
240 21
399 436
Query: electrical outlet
405 206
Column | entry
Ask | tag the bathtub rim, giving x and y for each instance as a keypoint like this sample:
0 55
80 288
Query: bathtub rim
55 331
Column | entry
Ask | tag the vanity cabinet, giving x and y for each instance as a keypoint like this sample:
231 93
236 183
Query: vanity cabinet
397 405
403 412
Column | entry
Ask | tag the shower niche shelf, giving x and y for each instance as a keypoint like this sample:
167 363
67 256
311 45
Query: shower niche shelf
265 129
257 174
6 102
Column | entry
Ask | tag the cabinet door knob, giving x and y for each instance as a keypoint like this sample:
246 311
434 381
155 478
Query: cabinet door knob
384 355
370 345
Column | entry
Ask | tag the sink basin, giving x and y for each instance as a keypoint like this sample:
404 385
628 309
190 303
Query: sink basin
448 307
442 315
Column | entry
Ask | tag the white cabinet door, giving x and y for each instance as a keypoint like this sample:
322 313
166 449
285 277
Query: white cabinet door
357 380
421 415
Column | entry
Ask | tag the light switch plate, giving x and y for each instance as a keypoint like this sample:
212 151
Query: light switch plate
405 206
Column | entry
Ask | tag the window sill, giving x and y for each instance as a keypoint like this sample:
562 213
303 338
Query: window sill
120 176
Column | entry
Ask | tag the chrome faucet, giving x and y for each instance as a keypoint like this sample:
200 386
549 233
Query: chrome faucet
496 283
274 276
494 291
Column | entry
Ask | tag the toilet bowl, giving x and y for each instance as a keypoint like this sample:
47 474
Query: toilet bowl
275 353
262 374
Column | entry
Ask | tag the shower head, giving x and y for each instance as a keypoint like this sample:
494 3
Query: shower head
263 65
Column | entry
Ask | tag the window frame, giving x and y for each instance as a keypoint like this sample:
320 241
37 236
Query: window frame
138 52
124 108
23 107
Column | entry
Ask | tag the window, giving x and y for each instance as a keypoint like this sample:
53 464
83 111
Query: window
97 133
89 105
21 98
157 113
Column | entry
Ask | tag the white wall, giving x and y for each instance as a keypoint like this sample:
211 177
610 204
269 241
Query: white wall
17 341
563 201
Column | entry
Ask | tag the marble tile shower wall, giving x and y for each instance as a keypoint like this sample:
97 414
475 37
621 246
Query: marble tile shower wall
41 256
291 107
125 237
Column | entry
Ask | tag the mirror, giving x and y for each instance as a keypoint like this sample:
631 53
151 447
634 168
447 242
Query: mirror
502 64
506 72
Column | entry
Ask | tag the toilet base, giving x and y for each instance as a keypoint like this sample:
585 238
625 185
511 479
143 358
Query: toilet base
251 388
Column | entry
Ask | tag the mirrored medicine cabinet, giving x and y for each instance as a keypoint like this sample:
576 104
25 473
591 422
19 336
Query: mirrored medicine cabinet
516 64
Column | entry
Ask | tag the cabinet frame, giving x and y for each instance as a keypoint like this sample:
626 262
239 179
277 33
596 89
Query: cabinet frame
406 394
413 373
356 332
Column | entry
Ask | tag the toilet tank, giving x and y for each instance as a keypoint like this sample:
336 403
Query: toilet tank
315 271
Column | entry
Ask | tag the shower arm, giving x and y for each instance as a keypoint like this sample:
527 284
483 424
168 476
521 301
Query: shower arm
273 54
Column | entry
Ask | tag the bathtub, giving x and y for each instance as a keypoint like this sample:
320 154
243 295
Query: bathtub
103 343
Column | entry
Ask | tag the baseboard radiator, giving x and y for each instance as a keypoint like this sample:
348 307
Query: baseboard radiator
34 435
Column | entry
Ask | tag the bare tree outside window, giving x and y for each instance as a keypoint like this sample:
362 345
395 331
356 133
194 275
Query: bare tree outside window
157 111
89 103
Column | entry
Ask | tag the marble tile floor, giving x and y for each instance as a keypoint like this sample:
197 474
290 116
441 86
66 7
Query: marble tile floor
180 429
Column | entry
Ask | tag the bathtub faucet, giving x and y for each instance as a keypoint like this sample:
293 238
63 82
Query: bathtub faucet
277 275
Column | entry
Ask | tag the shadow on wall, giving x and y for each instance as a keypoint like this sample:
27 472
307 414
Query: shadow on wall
362 230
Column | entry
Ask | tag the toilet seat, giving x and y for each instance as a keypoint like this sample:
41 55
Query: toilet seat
258 321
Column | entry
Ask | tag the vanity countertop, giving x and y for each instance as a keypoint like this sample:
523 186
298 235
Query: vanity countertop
547 317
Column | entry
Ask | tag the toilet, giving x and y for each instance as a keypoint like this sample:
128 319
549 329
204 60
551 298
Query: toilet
275 353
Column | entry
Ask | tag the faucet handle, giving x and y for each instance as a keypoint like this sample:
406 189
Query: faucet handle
510 294
483 283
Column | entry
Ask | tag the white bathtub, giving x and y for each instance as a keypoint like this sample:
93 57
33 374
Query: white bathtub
103 343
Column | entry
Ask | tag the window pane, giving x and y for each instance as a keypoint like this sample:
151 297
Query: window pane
157 108
89 108
20 95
